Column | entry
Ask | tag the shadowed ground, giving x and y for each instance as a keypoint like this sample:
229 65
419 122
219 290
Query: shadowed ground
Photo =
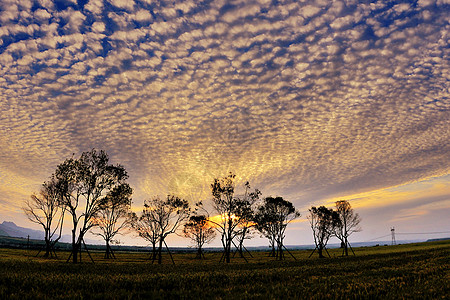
404 271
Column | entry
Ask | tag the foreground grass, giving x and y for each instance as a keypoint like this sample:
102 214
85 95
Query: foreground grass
404 271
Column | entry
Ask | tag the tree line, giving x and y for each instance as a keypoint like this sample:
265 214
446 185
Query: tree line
96 198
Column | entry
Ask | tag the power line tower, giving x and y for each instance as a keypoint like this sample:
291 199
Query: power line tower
393 236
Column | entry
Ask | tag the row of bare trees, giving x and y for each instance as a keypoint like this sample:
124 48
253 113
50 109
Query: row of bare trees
233 217
159 219
327 222
97 198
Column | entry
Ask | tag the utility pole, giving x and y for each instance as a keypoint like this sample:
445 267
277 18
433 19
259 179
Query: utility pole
393 236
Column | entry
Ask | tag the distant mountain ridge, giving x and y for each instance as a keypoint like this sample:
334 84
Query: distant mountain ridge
11 229
3 233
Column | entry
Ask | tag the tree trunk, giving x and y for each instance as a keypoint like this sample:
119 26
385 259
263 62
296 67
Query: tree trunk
108 252
47 244
199 252
75 253
153 256
74 248
228 250
48 249
320 250
229 239
160 251
241 242
272 250
280 250
346 246
241 250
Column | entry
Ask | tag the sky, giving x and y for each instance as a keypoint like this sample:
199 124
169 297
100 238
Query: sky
314 101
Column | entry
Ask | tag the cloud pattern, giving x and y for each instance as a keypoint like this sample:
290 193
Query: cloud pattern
307 99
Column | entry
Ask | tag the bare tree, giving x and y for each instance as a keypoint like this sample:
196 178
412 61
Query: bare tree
349 223
272 219
44 209
113 215
266 224
246 212
167 215
146 228
83 183
232 212
225 205
200 232
323 222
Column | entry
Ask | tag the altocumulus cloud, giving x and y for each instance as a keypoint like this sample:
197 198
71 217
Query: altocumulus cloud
307 99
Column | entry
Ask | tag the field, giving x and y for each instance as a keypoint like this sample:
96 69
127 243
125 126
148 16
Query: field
405 271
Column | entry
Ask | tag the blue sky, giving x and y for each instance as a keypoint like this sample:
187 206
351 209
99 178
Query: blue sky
311 100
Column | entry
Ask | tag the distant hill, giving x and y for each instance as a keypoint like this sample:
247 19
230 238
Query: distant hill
11 229
3 233
437 240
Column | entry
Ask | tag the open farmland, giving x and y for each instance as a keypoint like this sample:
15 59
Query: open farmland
404 271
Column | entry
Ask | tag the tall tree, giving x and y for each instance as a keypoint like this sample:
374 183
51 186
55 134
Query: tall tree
113 215
83 183
225 205
246 212
272 219
167 215
45 209
266 224
231 212
146 228
349 223
323 222
199 231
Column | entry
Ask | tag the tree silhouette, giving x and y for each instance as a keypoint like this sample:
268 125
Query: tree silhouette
246 213
83 183
146 228
349 223
233 213
44 209
200 232
167 215
272 218
266 224
323 222
113 215
225 205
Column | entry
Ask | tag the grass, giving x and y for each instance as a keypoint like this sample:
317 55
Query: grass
418 271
